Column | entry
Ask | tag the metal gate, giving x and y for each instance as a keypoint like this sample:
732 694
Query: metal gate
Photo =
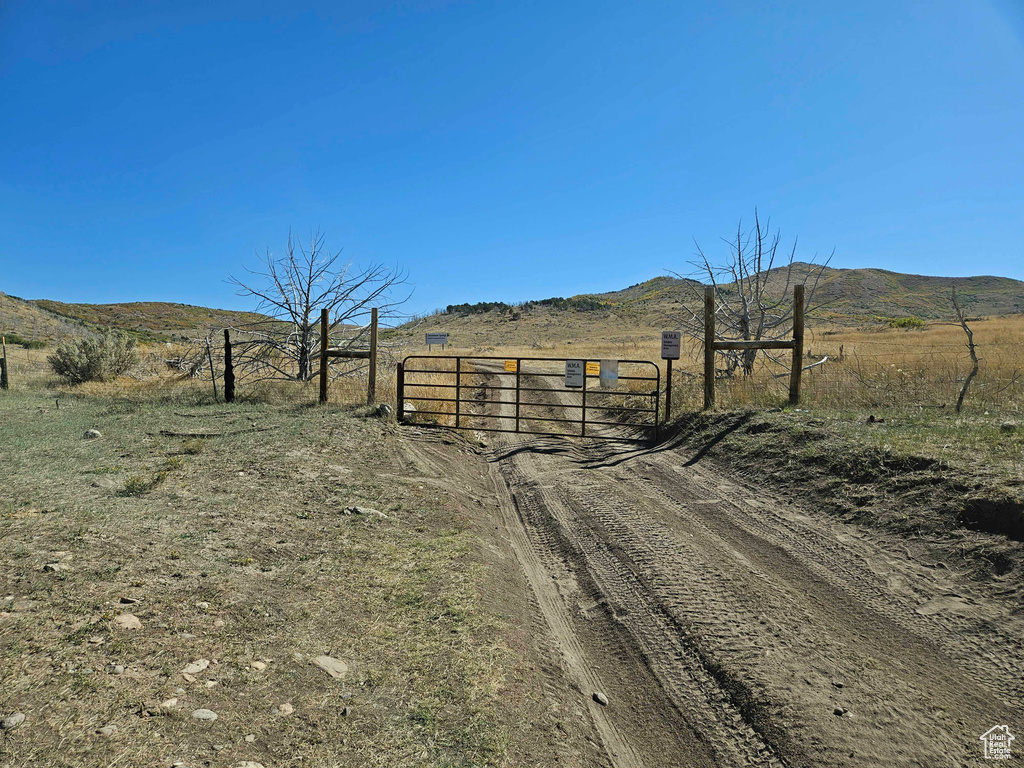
524 395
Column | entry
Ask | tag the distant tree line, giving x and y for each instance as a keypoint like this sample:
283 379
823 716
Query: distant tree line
578 303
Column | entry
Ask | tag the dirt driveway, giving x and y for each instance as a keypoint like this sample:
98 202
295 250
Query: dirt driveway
700 621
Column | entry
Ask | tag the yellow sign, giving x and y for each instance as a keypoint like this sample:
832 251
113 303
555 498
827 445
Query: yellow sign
510 365
593 369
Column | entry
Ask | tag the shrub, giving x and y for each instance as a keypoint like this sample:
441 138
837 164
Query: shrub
910 323
97 359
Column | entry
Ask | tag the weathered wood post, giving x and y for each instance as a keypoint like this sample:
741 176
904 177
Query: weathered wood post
798 344
668 389
229 370
709 347
4 383
371 378
400 392
323 356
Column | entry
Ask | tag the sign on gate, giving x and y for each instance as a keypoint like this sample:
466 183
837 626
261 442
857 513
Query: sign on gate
510 366
437 338
609 373
574 372
670 345
593 369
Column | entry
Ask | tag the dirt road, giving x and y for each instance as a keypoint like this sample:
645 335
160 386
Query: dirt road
726 628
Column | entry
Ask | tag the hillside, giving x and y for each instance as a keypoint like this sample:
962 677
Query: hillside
154 319
843 296
30 322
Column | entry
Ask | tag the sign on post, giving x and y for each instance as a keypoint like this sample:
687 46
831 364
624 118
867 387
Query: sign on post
609 373
574 372
670 343
437 338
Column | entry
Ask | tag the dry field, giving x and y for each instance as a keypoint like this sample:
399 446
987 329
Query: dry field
147 576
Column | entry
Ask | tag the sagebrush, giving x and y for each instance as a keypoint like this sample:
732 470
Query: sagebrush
102 358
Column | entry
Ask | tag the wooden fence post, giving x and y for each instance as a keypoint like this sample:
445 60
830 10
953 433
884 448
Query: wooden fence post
371 378
709 347
229 370
798 344
668 390
4 383
323 356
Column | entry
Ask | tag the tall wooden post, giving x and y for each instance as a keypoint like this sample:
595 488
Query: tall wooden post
323 356
668 390
229 370
709 347
798 344
4 383
371 378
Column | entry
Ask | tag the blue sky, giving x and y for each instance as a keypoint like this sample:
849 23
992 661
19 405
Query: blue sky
501 150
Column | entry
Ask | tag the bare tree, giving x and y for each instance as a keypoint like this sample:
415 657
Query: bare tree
971 347
752 296
291 291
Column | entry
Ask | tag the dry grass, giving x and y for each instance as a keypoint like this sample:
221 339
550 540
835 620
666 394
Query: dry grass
237 551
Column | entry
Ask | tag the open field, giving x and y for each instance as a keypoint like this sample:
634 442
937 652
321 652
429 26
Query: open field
768 585
237 550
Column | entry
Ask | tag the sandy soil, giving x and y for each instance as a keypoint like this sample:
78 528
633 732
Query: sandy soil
726 627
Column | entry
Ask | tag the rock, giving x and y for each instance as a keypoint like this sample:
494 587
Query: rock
116 669
259 666
346 711
364 511
250 738
1008 427
409 408
837 683
178 691
382 411
128 600
195 667
127 621
285 709
96 640
206 715
104 482
336 668
203 606
171 703
91 434
839 711
54 568
106 730
249 764
218 747
211 683
600 698
218 623
11 722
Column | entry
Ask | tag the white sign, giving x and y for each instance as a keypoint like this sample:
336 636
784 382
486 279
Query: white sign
609 373
574 372
437 338
670 345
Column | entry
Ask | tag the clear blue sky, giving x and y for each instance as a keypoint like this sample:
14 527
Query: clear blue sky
501 150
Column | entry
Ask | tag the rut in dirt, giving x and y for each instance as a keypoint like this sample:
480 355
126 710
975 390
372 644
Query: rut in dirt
728 628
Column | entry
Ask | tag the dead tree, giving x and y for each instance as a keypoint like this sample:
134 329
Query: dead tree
752 285
971 347
295 288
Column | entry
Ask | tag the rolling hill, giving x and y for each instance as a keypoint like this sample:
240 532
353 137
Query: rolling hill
864 296
844 296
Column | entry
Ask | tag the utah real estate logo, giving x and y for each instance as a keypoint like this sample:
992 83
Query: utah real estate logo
997 742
